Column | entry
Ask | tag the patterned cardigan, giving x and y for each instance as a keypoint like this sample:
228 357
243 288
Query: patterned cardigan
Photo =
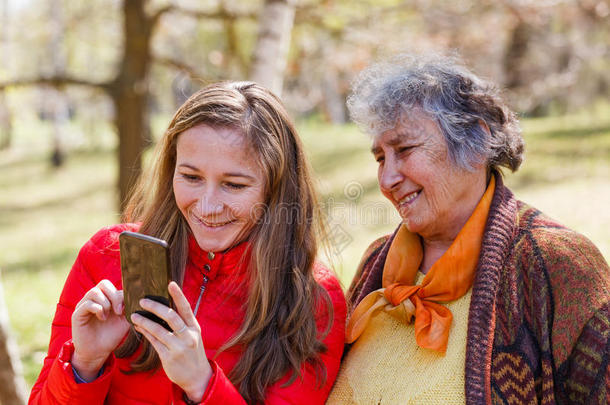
539 318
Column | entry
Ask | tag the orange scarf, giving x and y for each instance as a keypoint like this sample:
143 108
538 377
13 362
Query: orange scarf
449 278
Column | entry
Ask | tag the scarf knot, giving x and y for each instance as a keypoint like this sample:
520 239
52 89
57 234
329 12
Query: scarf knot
397 292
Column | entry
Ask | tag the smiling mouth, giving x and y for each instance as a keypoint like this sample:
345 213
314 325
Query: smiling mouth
408 198
213 224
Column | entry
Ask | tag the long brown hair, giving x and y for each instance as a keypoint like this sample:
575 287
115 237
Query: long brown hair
279 332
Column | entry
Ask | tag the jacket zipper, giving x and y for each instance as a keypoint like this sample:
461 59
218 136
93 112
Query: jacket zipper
201 291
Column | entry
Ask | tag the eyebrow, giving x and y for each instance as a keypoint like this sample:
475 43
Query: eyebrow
237 174
395 140
229 174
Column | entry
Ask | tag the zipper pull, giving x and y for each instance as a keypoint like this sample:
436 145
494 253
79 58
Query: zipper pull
201 291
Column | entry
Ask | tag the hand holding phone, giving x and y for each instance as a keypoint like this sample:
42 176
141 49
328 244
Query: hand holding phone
146 273
98 326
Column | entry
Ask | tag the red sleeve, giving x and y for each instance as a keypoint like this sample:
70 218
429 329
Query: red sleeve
97 259
61 388
219 390
305 390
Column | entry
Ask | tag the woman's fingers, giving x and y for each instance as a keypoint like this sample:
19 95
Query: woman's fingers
164 312
180 320
114 296
95 302
93 308
105 295
153 329
177 319
182 305
158 345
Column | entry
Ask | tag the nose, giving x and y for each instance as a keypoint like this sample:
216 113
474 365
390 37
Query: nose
389 175
209 204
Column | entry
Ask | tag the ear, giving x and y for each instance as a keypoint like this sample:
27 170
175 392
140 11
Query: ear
485 127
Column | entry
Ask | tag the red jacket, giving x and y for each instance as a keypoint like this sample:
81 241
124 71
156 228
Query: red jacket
220 315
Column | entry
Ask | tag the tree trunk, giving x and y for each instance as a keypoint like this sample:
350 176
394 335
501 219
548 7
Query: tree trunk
130 93
5 115
57 106
515 55
12 385
5 123
269 59
58 98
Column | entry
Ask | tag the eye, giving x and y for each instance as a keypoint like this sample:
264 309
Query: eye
190 177
379 158
403 149
236 186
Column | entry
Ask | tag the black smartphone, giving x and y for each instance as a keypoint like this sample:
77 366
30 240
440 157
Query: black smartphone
146 272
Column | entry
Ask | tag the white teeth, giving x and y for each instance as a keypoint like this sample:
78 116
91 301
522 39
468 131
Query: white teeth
213 225
409 198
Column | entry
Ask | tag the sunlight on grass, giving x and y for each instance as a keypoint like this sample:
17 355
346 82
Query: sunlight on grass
46 215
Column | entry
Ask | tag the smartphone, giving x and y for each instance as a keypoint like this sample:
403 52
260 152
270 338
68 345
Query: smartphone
146 272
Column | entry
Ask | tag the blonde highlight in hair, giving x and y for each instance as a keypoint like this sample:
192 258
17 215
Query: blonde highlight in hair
279 332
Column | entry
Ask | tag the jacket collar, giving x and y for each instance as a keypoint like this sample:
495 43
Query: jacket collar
232 261
497 241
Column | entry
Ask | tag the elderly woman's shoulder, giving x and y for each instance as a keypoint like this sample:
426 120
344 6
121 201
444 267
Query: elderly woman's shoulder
373 250
559 247
566 275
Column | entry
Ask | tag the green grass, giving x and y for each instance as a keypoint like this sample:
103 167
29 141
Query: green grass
46 215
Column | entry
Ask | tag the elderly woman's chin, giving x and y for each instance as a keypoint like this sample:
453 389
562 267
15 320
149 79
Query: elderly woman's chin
414 225
420 225
409 219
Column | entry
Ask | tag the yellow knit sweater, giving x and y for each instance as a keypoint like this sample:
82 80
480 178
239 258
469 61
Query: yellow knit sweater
385 365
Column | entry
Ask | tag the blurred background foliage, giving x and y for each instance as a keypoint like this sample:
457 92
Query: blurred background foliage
87 86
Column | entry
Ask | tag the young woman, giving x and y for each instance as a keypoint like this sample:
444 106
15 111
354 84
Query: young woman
256 318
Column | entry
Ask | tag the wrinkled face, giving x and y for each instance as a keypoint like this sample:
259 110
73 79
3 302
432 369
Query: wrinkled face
217 183
434 197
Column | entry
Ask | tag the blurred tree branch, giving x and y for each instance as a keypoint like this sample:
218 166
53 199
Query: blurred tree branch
222 13
312 14
56 81
179 65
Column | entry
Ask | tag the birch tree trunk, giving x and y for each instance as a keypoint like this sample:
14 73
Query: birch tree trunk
12 385
269 59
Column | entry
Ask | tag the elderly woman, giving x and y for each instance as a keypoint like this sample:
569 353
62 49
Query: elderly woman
476 297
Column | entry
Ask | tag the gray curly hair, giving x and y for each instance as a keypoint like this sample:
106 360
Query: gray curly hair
384 94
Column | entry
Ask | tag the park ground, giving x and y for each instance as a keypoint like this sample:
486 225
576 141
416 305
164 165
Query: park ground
47 214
